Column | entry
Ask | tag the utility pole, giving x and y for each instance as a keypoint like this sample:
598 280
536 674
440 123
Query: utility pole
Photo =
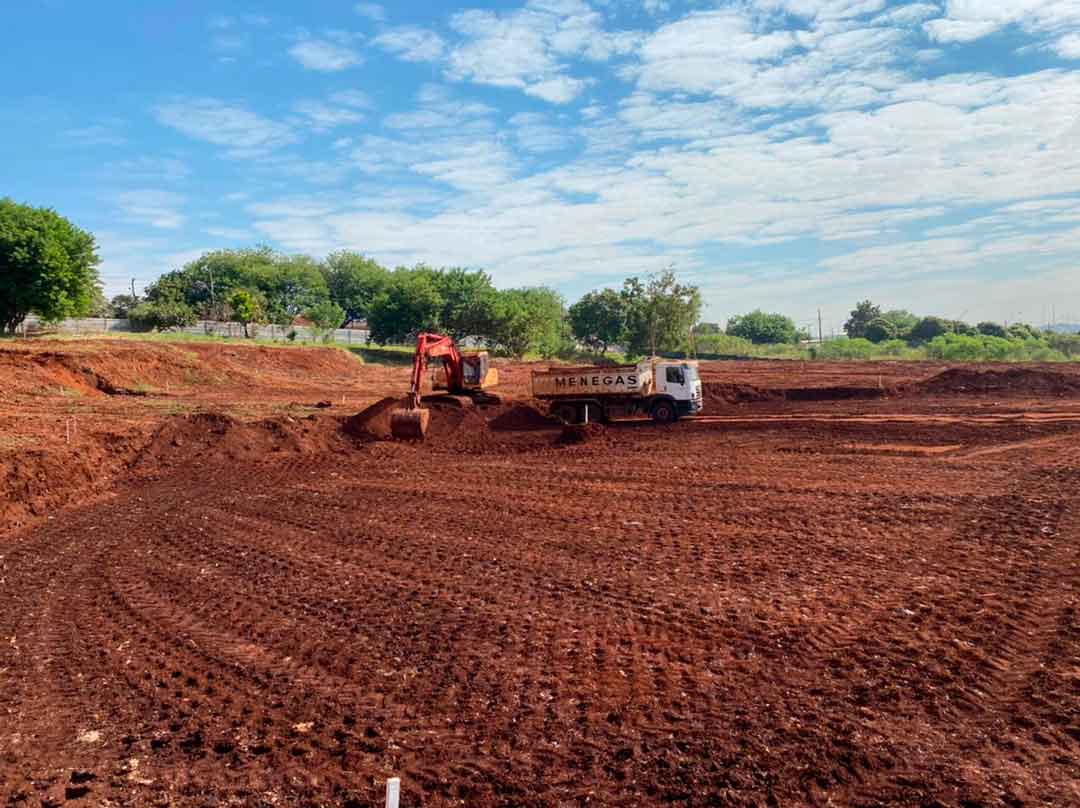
211 288
820 330
133 298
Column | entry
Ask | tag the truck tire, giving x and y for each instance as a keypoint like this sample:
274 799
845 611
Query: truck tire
567 413
664 412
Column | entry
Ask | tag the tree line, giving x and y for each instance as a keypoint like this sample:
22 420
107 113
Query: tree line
871 331
259 285
49 266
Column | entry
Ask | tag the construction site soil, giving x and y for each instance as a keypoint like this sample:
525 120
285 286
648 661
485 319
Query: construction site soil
217 590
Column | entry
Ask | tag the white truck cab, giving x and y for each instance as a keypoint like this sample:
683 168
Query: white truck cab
679 380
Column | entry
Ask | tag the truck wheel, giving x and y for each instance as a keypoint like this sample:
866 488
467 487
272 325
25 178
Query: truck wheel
663 412
567 413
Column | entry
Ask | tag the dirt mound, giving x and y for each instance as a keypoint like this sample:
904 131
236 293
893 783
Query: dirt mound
213 436
450 425
722 394
573 434
1013 381
522 418
373 423
120 367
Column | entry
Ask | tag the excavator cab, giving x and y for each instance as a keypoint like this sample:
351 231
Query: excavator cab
476 371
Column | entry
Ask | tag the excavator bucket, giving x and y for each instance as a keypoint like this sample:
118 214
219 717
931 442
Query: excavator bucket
409 424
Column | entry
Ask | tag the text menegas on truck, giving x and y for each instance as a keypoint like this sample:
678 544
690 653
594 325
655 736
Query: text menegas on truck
661 388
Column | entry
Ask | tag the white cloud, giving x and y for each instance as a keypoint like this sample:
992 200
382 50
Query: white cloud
147 169
322 117
352 98
373 11
153 207
536 133
968 20
1068 47
244 132
229 233
557 90
909 14
528 49
822 9
412 43
324 55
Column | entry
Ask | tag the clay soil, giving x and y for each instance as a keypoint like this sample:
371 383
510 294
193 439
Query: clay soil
226 588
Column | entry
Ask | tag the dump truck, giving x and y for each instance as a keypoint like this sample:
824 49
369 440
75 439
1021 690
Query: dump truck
663 389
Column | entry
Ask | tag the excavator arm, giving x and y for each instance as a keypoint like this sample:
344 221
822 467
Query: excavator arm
431 346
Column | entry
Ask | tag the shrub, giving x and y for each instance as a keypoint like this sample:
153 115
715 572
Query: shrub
162 315
844 348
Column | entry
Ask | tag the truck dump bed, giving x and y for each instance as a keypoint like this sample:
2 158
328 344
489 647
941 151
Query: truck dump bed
622 380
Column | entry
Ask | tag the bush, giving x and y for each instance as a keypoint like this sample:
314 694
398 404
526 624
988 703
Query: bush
162 315
844 348
982 348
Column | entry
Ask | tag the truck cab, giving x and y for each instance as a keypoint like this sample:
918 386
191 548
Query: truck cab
679 380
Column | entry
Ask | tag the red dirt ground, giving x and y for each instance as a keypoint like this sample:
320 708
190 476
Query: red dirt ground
219 594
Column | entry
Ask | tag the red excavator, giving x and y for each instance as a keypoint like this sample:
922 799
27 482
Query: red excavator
466 374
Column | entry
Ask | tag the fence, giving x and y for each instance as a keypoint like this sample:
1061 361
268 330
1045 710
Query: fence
107 325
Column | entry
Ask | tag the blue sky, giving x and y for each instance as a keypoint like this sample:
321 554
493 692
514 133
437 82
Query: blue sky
787 154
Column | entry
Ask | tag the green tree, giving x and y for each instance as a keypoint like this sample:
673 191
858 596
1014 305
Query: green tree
902 322
528 319
47 265
354 281
248 308
707 329
880 330
599 319
762 328
930 327
659 313
861 317
291 286
991 329
325 317
408 305
467 299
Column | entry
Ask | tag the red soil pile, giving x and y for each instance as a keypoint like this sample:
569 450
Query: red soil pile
450 426
213 436
373 423
1013 381
523 418
573 434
